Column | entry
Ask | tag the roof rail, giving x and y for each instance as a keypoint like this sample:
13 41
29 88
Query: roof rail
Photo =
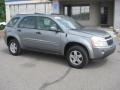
42 13
55 14
22 14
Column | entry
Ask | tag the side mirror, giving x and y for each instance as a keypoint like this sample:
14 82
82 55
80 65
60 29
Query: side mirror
54 29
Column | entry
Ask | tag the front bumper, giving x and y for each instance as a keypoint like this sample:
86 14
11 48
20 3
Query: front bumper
103 52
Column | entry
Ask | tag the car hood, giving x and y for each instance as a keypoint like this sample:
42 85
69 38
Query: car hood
89 32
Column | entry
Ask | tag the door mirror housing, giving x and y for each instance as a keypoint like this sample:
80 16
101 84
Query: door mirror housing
54 29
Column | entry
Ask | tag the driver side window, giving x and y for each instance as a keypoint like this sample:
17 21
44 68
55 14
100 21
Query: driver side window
45 23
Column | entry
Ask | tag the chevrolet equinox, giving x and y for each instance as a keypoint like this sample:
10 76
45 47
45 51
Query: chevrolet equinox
57 34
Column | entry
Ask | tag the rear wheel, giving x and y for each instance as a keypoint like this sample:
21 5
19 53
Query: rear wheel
14 47
77 56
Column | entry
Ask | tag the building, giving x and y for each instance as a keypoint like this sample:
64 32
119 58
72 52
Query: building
103 13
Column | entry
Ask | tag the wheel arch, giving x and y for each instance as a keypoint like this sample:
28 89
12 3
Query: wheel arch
10 38
68 45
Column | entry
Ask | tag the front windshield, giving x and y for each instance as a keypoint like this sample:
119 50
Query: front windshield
67 22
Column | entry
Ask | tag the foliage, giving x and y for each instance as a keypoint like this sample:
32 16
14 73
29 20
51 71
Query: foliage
2 27
2 11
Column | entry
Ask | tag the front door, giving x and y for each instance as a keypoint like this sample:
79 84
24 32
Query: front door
104 16
67 10
47 39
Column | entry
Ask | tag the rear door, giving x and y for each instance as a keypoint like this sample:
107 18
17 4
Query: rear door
27 31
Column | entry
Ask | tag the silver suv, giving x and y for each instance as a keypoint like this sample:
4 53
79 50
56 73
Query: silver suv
57 34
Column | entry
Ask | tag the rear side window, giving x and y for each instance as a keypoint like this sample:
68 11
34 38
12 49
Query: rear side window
28 22
13 22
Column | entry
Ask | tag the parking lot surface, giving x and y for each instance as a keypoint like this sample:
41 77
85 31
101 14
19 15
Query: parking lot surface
37 71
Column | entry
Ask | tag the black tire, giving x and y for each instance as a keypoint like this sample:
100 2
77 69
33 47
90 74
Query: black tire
18 50
82 51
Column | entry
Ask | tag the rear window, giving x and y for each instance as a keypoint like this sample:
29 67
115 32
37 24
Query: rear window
13 22
28 22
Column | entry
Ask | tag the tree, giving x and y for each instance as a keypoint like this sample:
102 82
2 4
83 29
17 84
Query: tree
2 10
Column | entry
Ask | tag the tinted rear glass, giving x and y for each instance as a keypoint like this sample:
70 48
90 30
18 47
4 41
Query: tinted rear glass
28 22
13 22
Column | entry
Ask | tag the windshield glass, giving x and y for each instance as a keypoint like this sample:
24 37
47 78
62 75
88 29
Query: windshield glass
67 22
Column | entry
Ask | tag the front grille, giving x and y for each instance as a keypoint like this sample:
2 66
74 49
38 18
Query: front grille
108 37
110 42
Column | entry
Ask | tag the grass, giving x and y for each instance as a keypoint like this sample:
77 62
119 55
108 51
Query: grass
1 29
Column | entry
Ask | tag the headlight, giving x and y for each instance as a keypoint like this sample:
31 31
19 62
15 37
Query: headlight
99 42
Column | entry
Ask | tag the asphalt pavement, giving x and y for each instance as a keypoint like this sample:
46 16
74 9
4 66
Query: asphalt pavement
37 71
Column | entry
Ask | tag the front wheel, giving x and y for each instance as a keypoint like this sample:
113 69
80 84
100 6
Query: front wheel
77 57
14 47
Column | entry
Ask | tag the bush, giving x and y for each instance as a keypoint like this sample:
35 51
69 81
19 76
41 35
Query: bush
2 27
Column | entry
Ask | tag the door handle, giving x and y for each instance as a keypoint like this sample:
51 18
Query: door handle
19 30
38 32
